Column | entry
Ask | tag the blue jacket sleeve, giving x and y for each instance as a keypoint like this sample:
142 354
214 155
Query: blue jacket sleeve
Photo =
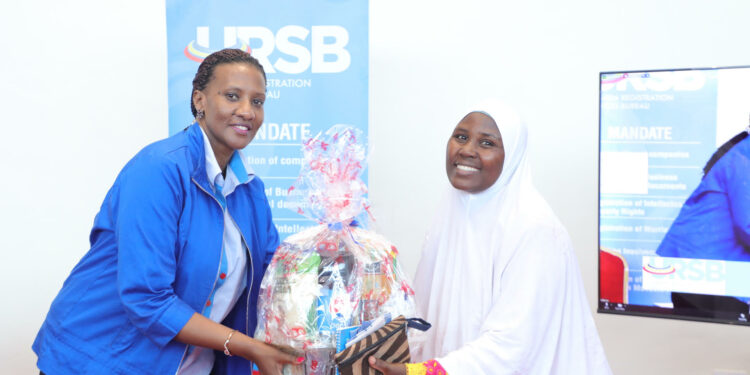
737 177
151 195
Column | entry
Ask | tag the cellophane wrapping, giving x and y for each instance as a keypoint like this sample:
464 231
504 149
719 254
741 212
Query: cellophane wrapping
327 279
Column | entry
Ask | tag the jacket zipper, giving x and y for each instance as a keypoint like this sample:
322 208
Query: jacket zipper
218 269
250 288
252 281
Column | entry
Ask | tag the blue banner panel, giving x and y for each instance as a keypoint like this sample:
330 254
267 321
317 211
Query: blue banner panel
315 54
658 129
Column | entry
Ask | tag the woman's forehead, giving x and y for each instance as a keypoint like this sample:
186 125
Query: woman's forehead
479 122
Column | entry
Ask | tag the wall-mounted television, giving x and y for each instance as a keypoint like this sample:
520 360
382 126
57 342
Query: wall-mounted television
674 194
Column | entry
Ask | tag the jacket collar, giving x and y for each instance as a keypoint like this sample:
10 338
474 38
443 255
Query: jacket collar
196 145
197 154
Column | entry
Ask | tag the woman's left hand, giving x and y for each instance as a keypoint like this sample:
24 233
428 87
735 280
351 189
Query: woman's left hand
387 368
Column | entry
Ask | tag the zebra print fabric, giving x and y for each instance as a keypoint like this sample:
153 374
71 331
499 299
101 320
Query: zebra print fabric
388 343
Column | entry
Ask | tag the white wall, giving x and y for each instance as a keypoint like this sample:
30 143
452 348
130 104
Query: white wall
84 87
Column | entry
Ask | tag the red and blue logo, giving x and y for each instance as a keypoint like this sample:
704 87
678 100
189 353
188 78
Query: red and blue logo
197 53
660 271
613 78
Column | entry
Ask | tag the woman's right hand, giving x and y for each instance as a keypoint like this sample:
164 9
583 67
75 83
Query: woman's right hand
271 360
387 368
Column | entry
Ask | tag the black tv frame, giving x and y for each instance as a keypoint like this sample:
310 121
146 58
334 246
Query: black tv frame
642 310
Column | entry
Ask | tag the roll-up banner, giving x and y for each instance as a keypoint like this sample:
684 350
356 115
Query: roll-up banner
315 54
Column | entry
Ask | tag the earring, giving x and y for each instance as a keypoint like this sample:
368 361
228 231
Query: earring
200 114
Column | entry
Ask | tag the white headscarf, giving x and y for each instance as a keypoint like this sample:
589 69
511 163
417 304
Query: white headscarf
498 277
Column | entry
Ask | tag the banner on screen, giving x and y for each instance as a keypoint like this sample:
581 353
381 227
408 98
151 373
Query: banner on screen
658 130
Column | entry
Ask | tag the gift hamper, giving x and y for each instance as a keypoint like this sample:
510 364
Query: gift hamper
331 282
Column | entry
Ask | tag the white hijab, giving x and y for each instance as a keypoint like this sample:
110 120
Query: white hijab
498 277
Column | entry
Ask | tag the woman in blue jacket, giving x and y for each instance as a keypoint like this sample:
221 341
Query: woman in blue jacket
714 222
178 249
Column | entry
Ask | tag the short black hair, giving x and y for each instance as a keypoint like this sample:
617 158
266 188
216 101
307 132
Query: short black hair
226 56
723 150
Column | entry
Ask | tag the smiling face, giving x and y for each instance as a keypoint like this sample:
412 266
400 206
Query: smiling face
475 154
233 105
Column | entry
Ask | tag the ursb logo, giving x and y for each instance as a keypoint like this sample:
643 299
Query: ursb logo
688 269
326 53
689 80
684 275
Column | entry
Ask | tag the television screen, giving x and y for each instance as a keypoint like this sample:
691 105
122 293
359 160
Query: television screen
674 193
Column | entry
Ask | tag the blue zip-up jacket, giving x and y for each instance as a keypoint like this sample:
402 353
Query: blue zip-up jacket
714 223
154 260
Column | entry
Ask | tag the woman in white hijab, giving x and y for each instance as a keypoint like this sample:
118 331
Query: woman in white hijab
498 276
